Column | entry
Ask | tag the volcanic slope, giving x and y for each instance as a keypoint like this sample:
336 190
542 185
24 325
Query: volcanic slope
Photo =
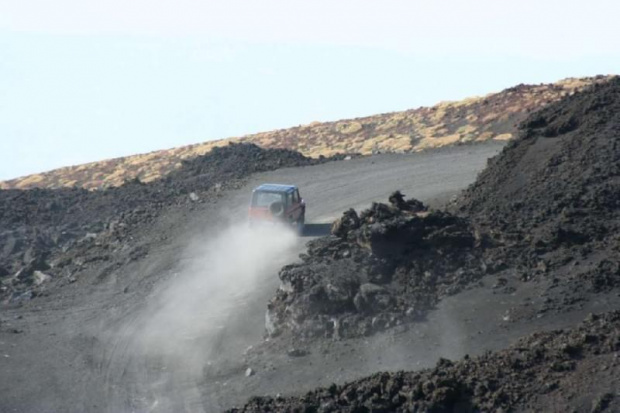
477 119
550 201
51 235
544 213
58 358
68 344
547 205
572 370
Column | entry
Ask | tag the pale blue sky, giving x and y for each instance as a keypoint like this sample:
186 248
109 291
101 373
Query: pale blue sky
82 81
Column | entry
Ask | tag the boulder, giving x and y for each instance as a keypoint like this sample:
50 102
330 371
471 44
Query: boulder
40 277
345 224
397 199
372 298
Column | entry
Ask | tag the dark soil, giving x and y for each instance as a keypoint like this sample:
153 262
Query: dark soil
549 202
546 211
51 235
543 372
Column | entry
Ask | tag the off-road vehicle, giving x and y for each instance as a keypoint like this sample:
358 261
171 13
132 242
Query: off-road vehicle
277 203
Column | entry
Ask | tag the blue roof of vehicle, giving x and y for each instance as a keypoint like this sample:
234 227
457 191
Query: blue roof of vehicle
275 188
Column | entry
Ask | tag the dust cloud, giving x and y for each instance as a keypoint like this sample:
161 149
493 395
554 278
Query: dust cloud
209 300
210 310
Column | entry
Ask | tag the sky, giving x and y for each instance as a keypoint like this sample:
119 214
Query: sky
84 80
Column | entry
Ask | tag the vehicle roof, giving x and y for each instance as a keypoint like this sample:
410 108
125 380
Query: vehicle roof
275 188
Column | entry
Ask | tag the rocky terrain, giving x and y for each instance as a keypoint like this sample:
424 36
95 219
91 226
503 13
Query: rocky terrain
550 371
71 336
381 269
544 211
478 119
531 246
50 236
546 205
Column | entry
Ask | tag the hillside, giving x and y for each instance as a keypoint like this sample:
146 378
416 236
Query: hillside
477 119
159 297
540 223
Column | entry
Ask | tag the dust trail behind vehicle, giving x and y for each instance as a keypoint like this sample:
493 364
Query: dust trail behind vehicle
197 316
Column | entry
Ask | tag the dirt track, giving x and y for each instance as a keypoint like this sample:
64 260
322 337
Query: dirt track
81 348
74 350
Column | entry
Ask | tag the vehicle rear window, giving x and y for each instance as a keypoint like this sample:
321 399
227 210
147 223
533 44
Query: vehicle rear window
264 199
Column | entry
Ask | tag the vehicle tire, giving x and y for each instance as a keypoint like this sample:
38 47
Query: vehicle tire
276 209
301 222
